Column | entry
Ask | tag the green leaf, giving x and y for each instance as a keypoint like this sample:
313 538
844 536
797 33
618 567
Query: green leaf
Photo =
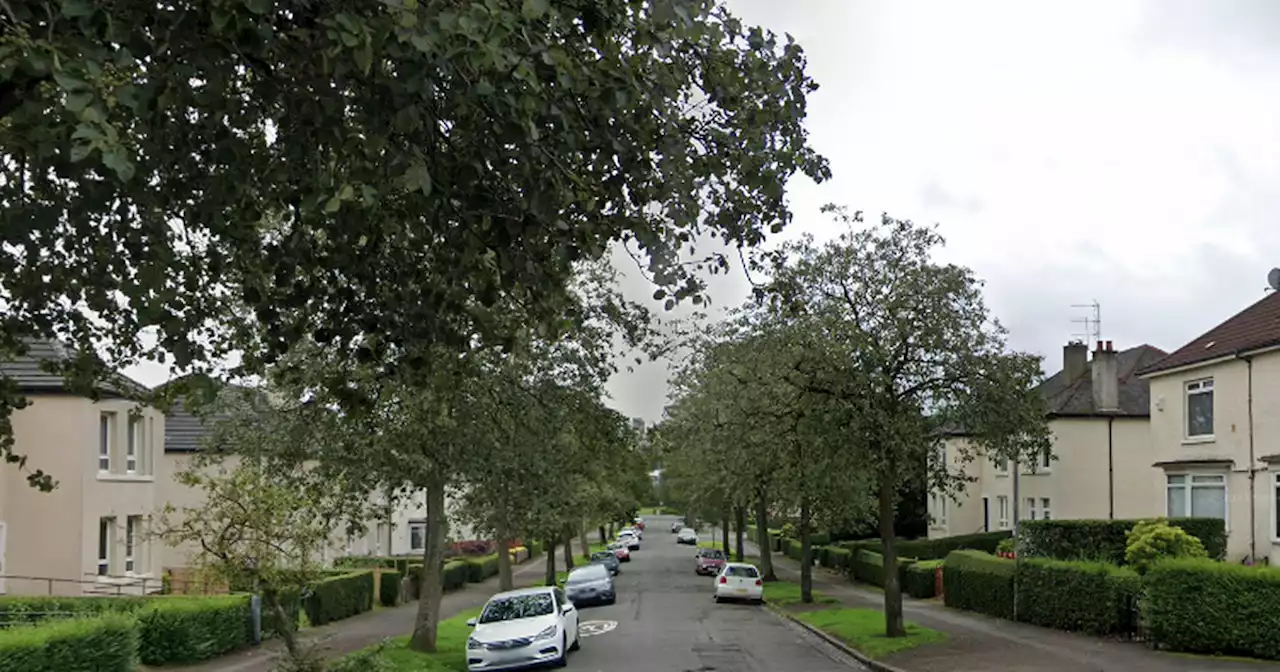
117 160
70 83
87 132
484 88
534 9
73 9
347 192
77 102
660 295
333 204
261 7
417 177
80 151
364 57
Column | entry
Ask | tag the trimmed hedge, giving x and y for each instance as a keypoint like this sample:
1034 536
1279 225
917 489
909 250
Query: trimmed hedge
193 629
977 581
339 597
1104 540
934 549
18 610
452 576
1091 597
868 567
834 557
481 568
389 588
291 602
1204 606
919 579
105 643
400 563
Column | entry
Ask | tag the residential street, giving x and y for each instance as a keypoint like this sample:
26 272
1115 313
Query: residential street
667 622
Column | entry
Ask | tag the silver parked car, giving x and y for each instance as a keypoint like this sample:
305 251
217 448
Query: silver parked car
590 584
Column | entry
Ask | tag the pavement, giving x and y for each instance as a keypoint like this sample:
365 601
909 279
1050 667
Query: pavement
979 643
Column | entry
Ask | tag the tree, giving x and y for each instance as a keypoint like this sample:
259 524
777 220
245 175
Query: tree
390 180
912 352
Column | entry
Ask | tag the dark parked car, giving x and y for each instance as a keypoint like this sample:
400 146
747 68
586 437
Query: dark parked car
590 584
709 561
608 559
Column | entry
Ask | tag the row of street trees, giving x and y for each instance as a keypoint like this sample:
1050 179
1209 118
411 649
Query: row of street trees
832 390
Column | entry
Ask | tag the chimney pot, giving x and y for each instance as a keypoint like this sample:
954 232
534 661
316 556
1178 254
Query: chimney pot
1099 345
1109 348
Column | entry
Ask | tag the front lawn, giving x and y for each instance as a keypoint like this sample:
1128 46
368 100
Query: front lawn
863 629
786 593
451 645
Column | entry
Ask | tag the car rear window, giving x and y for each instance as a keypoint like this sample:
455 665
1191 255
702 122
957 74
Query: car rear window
742 572
713 553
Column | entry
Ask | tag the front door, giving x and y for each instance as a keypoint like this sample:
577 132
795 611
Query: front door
4 567
986 513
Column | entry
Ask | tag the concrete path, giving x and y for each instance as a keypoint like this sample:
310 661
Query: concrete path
979 643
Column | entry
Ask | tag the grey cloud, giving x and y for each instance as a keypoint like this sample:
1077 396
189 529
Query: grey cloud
934 196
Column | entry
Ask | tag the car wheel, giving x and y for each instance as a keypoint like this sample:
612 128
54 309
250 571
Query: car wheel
577 641
717 598
563 660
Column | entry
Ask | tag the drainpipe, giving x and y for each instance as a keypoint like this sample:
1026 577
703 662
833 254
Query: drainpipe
1111 470
1017 552
1253 473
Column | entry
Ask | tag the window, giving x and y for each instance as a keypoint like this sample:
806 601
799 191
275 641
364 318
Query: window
380 532
1044 508
105 528
1200 409
939 509
1002 503
1002 467
1197 495
106 432
1031 508
132 528
1046 462
351 545
131 448
417 536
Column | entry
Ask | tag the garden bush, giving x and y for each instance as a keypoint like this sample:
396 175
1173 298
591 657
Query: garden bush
1202 606
868 567
389 588
1152 541
977 581
189 629
481 568
104 643
834 557
1091 597
934 549
453 576
19 610
1107 540
339 597
919 579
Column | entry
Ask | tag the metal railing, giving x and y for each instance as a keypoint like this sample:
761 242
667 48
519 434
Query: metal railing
112 585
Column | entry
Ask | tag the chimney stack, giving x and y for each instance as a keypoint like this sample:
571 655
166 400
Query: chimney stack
1075 360
1106 378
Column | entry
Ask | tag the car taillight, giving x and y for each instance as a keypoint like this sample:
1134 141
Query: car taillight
724 580
759 582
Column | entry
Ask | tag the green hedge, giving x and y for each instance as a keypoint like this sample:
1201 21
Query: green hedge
1210 607
834 557
190 629
977 581
339 597
1104 540
1092 597
291 602
453 576
481 568
933 549
868 567
919 579
105 643
18 610
400 563
389 588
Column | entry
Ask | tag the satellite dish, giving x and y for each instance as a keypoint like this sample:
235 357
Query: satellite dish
1273 278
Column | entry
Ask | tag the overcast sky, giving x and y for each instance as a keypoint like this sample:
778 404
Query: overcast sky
1123 151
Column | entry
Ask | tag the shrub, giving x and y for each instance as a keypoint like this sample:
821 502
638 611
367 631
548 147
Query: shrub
455 575
105 643
1107 540
1152 541
339 597
1202 606
919 579
1005 546
389 588
365 562
834 557
190 629
977 581
788 530
1092 597
18 610
482 568
934 549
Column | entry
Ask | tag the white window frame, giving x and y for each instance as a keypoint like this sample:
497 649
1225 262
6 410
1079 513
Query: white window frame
423 527
1275 504
351 545
1031 508
1044 509
1189 484
1194 387
131 525
1002 512
136 435
1001 466
106 440
105 542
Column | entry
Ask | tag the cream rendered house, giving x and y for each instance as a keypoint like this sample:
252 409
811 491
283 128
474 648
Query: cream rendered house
90 534
1098 417
1215 424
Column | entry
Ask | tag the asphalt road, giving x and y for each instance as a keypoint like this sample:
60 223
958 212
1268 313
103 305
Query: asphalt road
666 621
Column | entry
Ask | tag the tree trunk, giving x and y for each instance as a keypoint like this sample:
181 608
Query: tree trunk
505 580
603 539
287 630
586 543
551 563
724 533
806 560
432 587
893 626
568 550
762 537
740 528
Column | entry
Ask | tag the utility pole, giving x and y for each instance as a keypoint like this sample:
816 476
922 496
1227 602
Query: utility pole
1017 520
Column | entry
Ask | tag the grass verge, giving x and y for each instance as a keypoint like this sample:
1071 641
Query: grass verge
863 629
787 593
451 645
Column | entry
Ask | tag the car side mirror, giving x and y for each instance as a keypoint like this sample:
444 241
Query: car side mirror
566 608
471 622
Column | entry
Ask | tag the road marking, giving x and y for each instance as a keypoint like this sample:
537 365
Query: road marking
593 628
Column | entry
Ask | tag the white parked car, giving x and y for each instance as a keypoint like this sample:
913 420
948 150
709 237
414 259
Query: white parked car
633 530
533 626
687 536
739 581
629 539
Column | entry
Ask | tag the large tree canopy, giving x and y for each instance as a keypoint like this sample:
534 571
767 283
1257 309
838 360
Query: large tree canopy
426 171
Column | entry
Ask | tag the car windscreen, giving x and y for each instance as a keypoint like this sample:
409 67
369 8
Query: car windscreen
602 555
712 553
742 572
517 606
587 575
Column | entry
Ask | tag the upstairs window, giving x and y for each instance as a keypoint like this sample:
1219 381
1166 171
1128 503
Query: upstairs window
1200 409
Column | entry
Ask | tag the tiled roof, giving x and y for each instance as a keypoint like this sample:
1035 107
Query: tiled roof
1068 398
1257 326
32 378
184 431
